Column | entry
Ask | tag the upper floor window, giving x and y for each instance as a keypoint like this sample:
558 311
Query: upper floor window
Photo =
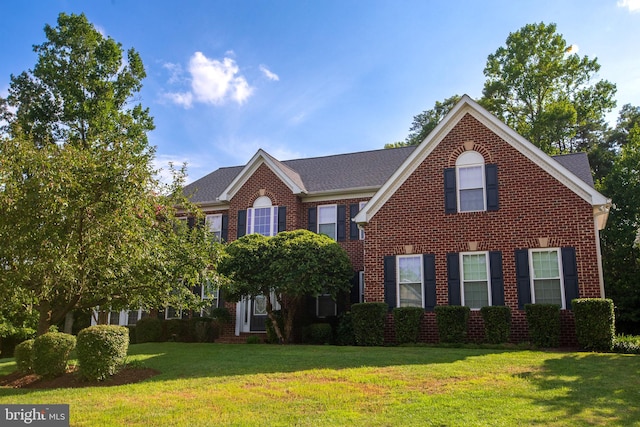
327 220
471 182
262 218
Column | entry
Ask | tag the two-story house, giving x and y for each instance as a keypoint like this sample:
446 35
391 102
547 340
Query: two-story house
475 215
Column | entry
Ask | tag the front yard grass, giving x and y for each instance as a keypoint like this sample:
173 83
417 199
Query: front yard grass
216 384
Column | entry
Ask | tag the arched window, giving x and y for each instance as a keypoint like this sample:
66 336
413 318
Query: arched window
262 218
471 182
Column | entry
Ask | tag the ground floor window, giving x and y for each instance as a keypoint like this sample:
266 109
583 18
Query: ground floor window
546 277
474 271
409 281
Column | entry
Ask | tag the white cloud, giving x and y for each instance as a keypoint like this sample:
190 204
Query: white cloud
632 5
269 74
162 163
212 82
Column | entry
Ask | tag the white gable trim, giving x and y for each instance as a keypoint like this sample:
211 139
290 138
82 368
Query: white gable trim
468 106
261 157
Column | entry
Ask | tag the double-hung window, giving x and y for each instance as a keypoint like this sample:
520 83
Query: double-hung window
409 281
546 277
211 294
475 279
214 223
471 182
262 218
327 220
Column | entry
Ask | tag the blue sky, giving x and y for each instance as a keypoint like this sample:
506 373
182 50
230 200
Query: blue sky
312 78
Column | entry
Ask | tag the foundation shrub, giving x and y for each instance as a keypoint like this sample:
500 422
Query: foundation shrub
148 329
497 323
452 321
595 323
543 321
368 322
406 322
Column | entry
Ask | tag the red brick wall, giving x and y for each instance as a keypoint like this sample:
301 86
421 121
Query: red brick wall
533 205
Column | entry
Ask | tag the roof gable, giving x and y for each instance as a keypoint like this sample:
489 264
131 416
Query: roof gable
287 175
468 106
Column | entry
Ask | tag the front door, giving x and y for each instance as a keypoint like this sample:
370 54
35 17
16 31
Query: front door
251 314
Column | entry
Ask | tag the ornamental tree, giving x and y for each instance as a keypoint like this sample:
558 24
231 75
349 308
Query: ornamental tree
290 265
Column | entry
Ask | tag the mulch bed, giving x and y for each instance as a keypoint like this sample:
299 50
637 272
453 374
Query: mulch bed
70 379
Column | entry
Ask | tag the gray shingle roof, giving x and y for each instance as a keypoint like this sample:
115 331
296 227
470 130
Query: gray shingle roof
366 169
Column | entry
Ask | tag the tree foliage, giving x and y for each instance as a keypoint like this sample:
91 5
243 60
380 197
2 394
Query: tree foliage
620 251
83 221
537 86
290 265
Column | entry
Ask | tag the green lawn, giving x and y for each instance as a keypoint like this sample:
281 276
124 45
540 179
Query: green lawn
266 385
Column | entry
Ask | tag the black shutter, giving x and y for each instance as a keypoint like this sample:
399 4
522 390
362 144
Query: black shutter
429 264
354 233
313 220
570 272
242 223
282 218
491 178
453 278
390 281
220 298
354 295
497 281
191 222
224 232
450 202
341 223
522 277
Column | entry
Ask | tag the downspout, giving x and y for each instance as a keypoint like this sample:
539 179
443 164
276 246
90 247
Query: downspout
600 215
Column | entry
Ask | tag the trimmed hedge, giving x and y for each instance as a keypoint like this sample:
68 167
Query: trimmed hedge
23 354
368 322
51 353
344 330
175 330
221 314
595 323
543 321
319 333
497 323
627 344
406 322
148 329
102 350
452 321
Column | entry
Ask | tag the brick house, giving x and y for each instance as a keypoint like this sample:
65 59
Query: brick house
475 215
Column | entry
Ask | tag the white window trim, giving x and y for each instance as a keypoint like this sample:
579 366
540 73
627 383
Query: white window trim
273 226
206 297
361 206
218 232
487 261
560 271
421 258
335 220
335 306
470 159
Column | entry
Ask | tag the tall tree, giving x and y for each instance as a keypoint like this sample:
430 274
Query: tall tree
426 121
290 266
83 221
537 86
620 249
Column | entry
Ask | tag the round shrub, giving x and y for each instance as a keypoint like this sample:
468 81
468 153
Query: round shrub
51 353
221 314
148 329
23 354
406 322
497 320
102 350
